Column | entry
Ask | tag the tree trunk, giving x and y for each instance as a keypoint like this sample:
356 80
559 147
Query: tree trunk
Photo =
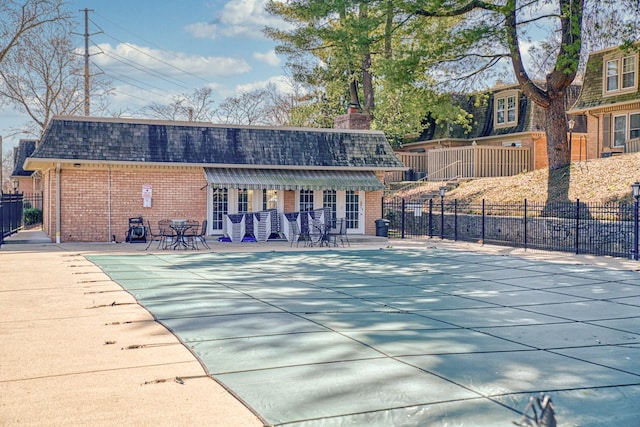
556 132
367 84
559 175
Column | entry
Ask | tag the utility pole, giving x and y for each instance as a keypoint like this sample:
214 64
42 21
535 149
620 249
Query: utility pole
87 74
1 172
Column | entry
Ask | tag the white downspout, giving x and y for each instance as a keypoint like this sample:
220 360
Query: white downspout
109 204
58 221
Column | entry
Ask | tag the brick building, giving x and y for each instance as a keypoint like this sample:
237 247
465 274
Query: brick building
99 172
610 99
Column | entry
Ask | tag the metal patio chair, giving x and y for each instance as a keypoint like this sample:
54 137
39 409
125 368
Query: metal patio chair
154 237
201 236
339 232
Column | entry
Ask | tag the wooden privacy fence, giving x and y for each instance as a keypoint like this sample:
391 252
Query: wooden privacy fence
478 161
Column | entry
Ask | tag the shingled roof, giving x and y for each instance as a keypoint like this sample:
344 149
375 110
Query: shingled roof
21 152
592 89
481 108
161 142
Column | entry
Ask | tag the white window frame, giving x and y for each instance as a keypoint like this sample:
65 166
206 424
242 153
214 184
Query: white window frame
627 128
636 130
619 65
506 109
318 201
615 131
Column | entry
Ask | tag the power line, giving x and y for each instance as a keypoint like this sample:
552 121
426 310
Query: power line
146 53
128 79
144 68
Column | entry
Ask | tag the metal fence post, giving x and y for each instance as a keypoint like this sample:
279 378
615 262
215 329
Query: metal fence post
430 218
455 220
441 217
402 221
635 229
577 239
525 224
483 221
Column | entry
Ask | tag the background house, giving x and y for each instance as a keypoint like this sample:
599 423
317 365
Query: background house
506 137
99 172
611 102
25 181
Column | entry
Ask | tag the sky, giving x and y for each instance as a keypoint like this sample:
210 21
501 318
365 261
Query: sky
152 50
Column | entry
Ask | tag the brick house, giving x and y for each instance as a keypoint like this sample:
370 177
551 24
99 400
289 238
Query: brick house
99 172
501 117
24 181
610 99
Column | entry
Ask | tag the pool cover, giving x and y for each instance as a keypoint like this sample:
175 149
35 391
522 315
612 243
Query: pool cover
400 337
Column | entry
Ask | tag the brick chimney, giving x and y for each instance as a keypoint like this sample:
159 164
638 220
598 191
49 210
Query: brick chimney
353 120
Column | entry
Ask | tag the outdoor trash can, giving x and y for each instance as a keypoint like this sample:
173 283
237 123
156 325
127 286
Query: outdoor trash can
382 227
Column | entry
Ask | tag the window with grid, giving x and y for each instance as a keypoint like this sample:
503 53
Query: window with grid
511 109
306 200
506 111
329 200
634 125
620 74
612 75
619 130
220 207
352 208
245 200
500 111
269 199
628 72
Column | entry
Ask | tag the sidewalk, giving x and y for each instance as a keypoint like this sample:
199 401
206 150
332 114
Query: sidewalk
71 356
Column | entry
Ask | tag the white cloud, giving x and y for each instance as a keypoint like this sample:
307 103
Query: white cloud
171 68
282 84
238 18
269 58
203 30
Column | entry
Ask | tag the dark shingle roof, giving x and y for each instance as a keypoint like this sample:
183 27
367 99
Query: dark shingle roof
22 151
592 89
125 140
480 106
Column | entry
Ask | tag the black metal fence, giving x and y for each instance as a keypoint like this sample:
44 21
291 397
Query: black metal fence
11 208
582 228
32 200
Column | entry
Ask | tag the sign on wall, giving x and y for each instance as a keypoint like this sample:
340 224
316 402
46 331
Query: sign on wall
147 193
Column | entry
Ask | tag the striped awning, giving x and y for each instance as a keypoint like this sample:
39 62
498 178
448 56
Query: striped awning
288 179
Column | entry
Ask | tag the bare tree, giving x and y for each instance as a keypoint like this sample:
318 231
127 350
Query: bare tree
246 109
264 107
195 107
42 76
21 19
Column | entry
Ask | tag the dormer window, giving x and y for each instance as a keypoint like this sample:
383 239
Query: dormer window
620 74
506 109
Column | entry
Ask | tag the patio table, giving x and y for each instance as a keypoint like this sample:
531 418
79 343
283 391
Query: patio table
181 226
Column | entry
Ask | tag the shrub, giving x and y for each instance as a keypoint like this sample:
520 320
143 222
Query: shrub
32 216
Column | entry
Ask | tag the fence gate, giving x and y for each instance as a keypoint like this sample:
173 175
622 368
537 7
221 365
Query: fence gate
10 214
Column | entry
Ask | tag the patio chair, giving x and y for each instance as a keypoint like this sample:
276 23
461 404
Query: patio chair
153 236
339 232
295 233
201 236
168 233
190 233
317 232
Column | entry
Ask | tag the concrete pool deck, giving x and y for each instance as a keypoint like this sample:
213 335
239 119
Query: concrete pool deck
82 351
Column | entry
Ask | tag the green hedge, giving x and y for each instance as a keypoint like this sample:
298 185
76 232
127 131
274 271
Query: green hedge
32 216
